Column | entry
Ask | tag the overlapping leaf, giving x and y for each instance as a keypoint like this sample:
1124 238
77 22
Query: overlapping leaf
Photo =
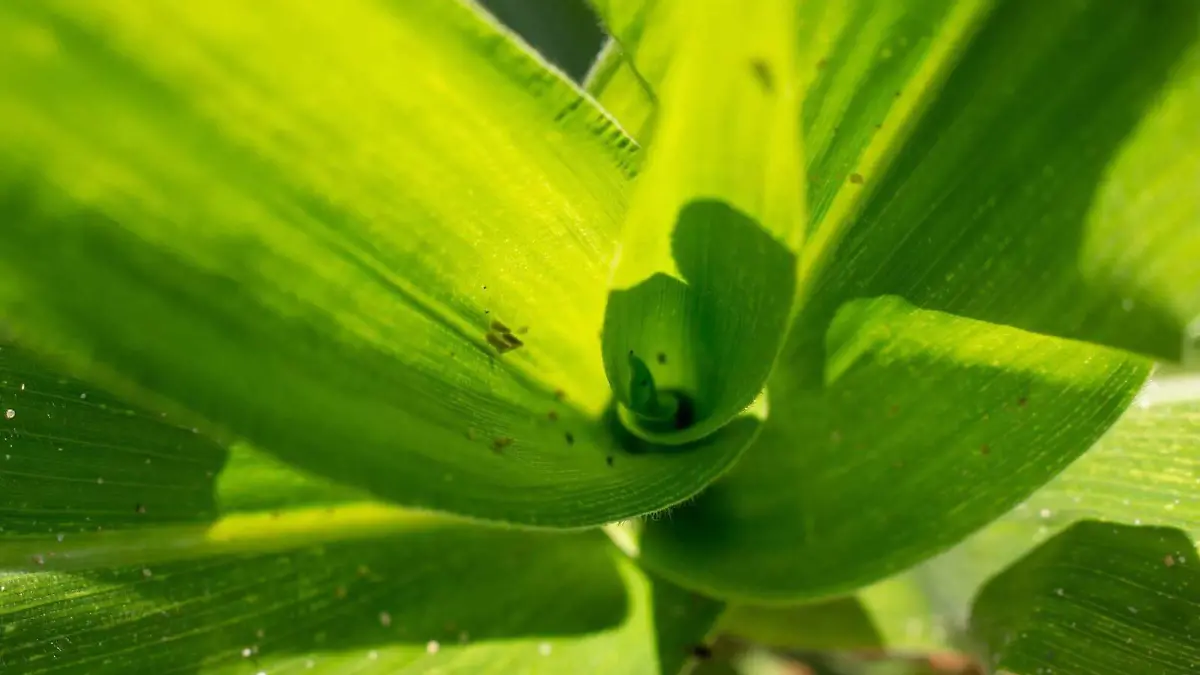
1027 192
129 544
371 238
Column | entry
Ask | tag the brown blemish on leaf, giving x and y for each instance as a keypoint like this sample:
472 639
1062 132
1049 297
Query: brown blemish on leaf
893 411
762 73
522 330
856 178
1169 561
552 416
1022 401
822 63
560 395
984 449
501 442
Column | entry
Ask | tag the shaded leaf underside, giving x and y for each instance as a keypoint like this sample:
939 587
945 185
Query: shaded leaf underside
127 542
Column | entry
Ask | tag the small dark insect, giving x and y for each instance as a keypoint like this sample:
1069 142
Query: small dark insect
485 288
560 395
609 460
500 337
822 63
139 508
552 416
856 178
662 358
762 72
570 438
498 342
702 652
501 442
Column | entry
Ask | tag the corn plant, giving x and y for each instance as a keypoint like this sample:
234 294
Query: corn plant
353 337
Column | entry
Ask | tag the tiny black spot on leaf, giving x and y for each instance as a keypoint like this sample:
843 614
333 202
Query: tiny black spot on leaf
570 438
762 73
702 652
609 460
662 358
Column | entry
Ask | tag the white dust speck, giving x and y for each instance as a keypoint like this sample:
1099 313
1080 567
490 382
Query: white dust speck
83 395
544 649
432 647
99 481
385 619
246 652
309 663
1132 610
1059 592
60 536
146 572
9 414
372 655
1045 513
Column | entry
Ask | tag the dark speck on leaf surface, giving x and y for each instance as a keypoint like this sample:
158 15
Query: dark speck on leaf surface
501 443
702 652
762 72
499 327
856 178
559 394
140 508
609 460
662 358
552 416
570 438
984 449
1022 401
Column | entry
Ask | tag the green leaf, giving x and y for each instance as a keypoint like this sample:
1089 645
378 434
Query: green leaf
834 482
1097 599
311 228
704 284
1053 192
927 427
127 543
457 597
896 615
1144 471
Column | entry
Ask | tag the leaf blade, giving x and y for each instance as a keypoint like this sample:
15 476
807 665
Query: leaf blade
334 281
